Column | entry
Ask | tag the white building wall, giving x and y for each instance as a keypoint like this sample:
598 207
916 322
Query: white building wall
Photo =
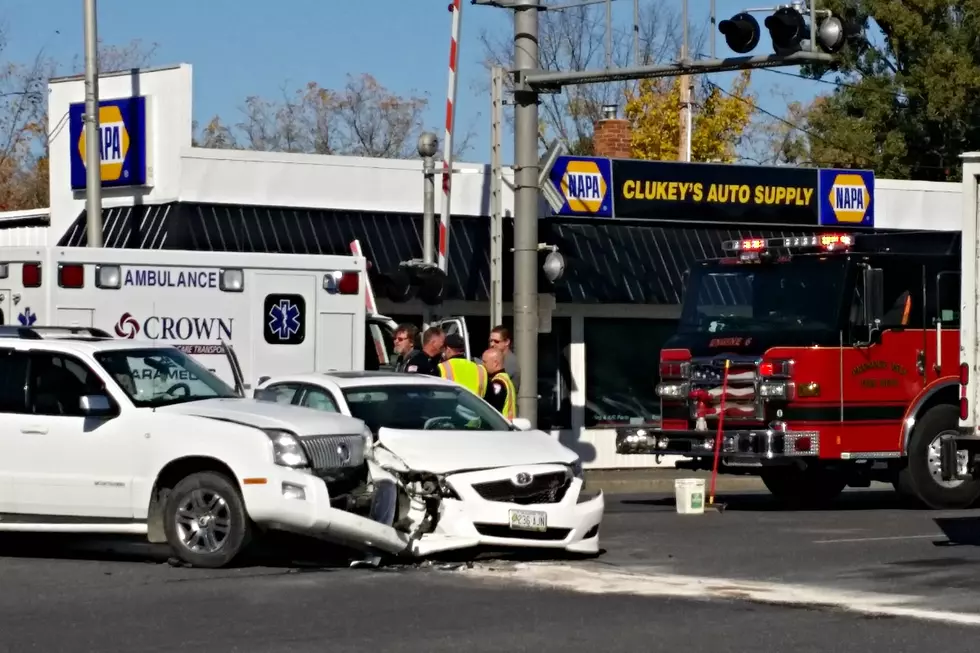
169 131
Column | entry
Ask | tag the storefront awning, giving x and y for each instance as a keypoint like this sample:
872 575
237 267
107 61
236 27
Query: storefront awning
605 263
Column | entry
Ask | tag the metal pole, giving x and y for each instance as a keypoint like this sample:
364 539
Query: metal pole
813 25
429 211
526 211
714 27
636 32
496 209
684 146
609 62
93 139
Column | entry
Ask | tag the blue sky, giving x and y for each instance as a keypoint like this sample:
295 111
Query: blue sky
251 47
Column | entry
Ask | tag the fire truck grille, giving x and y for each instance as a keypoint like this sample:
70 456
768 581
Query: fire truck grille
741 398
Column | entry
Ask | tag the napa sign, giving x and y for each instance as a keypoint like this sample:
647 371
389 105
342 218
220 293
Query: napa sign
123 143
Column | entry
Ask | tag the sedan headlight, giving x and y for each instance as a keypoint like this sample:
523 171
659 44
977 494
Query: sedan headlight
577 470
286 448
368 436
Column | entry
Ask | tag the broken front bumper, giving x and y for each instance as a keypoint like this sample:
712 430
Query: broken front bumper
571 523
753 444
300 503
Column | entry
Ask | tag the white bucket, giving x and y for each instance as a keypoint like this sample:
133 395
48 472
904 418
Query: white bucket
689 494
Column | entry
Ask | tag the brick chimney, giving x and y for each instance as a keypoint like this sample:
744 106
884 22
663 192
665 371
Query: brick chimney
611 135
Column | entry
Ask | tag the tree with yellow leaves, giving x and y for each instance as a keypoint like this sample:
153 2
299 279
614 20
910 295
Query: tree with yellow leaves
719 119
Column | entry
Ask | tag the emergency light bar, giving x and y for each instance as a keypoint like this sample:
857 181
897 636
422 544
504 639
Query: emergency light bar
819 242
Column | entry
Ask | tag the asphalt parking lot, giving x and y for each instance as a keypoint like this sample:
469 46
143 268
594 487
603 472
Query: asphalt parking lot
749 561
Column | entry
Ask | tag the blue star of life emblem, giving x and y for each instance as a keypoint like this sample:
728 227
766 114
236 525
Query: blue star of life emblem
27 318
285 319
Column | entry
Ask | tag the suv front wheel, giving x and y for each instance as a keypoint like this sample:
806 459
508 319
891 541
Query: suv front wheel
205 520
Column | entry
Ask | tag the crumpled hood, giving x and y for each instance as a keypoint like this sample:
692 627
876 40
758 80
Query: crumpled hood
268 415
442 452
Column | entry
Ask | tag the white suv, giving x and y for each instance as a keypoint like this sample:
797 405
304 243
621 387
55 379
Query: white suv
102 435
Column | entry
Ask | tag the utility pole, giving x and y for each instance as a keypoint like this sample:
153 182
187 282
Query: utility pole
684 146
496 204
93 138
526 210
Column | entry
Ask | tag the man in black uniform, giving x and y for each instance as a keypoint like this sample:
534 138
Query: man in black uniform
427 361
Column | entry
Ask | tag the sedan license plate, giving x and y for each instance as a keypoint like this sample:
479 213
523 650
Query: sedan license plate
528 520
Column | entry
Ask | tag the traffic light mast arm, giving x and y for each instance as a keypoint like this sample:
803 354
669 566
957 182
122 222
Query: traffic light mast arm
544 82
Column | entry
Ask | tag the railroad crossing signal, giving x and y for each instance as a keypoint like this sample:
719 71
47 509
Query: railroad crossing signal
788 30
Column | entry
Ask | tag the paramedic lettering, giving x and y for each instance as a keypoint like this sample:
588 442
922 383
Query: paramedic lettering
164 278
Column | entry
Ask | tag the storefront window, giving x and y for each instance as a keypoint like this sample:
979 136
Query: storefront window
622 363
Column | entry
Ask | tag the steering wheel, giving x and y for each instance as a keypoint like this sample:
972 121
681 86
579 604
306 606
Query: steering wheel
176 386
432 423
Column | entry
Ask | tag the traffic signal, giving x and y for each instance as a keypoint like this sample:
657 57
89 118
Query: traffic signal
787 28
741 32
410 279
789 31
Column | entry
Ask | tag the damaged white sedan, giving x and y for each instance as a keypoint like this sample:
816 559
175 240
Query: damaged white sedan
443 470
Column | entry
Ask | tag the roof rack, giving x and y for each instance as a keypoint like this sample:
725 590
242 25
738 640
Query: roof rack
35 332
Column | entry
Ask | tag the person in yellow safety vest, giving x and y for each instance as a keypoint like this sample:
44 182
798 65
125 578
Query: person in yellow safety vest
501 392
456 367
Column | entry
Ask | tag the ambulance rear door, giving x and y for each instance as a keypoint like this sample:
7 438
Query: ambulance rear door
308 315
457 325
26 280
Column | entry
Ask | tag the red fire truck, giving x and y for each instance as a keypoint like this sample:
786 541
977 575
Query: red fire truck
842 356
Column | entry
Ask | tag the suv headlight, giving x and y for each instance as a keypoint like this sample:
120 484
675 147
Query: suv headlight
286 448
577 470
368 436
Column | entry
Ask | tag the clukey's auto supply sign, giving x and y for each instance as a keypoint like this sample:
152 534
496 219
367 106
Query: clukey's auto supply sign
713 193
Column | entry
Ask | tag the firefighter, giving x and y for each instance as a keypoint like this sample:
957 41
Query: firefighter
501 393
455 367
428 360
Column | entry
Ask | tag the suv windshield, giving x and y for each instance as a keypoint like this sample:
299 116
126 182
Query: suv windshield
804 294
161 376
423 407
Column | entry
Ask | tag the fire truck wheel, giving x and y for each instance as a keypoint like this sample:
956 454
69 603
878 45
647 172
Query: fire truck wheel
923 475
812 486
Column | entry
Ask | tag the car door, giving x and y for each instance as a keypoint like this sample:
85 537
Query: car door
70 464
13 405
457 325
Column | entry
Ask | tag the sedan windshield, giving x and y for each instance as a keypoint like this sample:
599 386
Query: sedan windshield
423 407
161 376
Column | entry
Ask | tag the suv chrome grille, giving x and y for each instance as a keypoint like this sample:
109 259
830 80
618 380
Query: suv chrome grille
333 451
543 488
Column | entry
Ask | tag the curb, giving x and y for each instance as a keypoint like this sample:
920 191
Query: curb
648 481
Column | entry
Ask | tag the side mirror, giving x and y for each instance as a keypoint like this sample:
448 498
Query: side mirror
522 424
874 302
94 405
265 395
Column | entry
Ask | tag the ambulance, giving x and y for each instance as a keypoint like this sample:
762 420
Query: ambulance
282 313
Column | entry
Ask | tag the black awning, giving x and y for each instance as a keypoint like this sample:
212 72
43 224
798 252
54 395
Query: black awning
605 263
131 227
629 263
